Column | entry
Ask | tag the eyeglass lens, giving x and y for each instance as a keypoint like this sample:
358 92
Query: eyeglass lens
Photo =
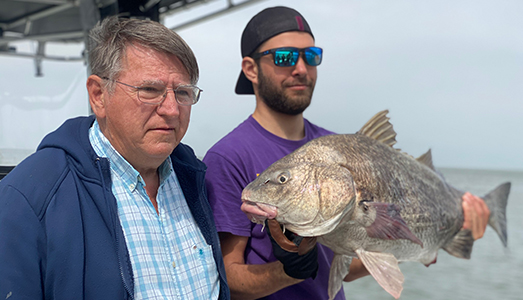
287 57
185 95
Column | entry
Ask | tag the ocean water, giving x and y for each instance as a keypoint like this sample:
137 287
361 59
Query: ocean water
493 272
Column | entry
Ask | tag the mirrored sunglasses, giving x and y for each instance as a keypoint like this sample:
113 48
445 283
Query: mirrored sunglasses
288 56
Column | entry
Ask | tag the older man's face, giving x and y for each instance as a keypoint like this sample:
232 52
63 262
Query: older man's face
144 134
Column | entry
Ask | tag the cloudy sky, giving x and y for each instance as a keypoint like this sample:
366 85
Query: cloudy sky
450 73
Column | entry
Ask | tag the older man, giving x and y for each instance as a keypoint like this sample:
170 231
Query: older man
115 207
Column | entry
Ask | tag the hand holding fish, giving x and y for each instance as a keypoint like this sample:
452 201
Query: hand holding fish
295 264
476 214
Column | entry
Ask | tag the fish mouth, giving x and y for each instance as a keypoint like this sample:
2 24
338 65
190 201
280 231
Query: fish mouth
259 212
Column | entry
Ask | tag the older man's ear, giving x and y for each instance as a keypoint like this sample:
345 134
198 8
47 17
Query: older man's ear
96 95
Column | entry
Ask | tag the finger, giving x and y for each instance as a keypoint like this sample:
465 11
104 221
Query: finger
483 213
472 221
483 209
477 222
468 212
476 214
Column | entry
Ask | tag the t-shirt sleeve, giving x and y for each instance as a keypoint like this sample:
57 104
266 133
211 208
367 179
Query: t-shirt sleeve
224 187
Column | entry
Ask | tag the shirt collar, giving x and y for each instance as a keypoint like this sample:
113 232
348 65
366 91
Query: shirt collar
119 165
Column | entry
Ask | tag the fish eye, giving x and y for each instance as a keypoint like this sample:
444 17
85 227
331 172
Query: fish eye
283 177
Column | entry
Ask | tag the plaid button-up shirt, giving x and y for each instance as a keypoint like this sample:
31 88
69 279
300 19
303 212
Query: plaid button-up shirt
169 255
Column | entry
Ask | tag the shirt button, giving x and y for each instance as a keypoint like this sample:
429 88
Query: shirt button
174 264
131 186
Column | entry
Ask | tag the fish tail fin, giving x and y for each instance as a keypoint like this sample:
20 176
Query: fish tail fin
496 201
461 245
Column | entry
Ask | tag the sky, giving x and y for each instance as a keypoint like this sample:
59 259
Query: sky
450 73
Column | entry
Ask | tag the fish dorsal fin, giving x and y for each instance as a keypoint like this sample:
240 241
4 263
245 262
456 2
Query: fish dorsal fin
426 159
380 129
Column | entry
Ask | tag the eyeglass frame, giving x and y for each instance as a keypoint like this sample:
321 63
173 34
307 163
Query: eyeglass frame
138 88
301 51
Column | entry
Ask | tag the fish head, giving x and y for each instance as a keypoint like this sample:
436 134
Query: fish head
307 196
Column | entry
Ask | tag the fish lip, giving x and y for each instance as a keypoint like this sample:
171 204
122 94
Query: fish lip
258 212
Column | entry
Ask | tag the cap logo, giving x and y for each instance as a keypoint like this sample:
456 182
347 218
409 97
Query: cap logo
299 20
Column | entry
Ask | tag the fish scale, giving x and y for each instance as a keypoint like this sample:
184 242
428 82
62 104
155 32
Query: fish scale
362 198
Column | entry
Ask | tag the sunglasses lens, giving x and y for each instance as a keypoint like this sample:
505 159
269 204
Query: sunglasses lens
285 57
313 56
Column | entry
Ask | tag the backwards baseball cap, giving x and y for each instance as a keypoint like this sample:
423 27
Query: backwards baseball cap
263 26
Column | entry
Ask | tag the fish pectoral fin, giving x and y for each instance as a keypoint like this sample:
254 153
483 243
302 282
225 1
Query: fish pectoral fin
388 224
339 269
461 245
385 270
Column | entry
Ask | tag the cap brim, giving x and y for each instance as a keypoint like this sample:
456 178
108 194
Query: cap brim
244 85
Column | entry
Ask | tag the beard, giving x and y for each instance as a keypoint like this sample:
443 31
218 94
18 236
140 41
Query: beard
276 99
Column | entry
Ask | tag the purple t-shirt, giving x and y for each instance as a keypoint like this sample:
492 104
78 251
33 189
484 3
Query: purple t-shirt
235 161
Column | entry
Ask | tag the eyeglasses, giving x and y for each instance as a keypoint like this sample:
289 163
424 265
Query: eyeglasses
155 93
288 56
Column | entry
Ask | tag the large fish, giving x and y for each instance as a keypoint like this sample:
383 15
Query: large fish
362 198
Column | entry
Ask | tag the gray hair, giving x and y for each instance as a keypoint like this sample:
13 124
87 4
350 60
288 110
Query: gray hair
109 39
